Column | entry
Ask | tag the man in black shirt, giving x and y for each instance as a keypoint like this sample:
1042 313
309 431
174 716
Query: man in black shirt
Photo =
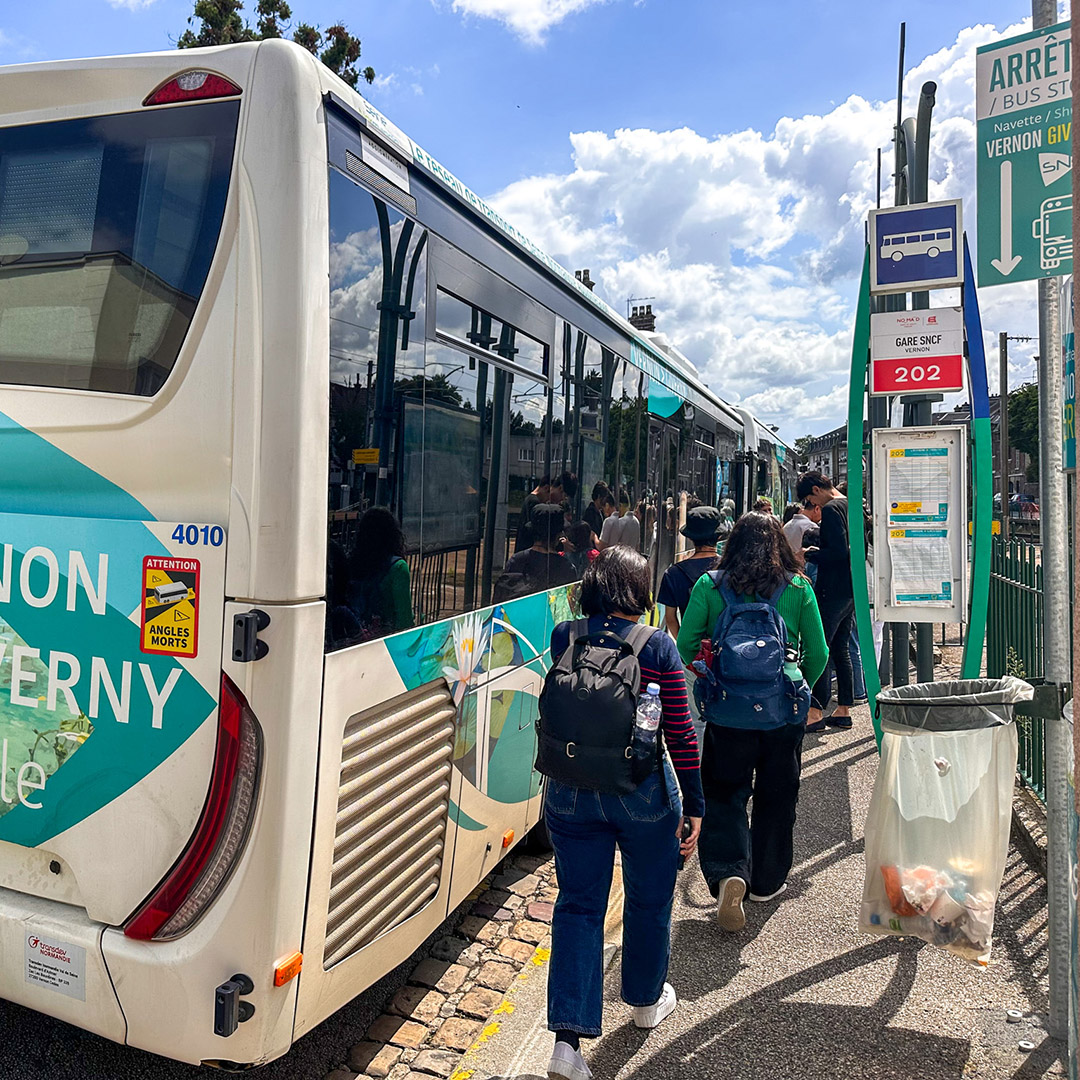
539 494
538 567
594 512
835 598
703 527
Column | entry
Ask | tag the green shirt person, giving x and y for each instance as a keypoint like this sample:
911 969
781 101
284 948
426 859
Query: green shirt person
740 856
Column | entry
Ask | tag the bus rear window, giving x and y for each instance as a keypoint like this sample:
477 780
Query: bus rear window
108 226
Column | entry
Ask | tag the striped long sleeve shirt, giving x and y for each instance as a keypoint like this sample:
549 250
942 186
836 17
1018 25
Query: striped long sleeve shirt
660 663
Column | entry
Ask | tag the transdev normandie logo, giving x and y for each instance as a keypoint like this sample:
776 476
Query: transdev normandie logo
51 951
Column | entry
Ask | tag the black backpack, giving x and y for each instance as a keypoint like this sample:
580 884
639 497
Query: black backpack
585 734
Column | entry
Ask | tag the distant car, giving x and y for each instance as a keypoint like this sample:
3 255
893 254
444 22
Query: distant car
1024 507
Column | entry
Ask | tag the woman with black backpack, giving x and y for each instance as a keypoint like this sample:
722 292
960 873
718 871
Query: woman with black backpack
755 704
609 784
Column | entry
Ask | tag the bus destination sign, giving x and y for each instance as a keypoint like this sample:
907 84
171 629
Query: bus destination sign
1023 113
915 247
912 352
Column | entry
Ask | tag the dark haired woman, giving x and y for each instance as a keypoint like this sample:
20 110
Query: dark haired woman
379 593
586 825
764 761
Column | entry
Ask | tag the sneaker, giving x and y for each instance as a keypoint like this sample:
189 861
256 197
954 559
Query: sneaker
567 1063
729 909
770 896
843 722
815 727
648 1016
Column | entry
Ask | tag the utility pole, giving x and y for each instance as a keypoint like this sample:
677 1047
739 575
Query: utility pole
1054 526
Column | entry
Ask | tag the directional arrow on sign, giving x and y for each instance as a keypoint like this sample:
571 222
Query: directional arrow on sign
1008 261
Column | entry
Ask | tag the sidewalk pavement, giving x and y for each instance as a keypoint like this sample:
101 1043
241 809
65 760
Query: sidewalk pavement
800 993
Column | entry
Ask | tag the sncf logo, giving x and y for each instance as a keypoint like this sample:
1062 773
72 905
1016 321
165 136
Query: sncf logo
33 942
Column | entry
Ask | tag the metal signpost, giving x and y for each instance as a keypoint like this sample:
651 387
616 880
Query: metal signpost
974 611
1023 109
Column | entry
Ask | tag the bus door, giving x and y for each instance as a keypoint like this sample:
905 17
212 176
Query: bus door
489 351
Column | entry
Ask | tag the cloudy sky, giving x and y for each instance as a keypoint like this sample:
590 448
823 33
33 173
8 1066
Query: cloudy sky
683 150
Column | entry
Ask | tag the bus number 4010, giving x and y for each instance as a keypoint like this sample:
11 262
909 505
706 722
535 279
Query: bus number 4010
213 535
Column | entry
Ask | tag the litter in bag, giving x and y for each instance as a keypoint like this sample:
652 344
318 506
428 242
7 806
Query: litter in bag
937 832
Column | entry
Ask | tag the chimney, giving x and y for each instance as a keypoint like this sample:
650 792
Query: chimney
583 277
642 318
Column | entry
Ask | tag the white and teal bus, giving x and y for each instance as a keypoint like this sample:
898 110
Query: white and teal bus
238 310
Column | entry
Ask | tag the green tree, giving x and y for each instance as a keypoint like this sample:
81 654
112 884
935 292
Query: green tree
802 448
221 23
1024 425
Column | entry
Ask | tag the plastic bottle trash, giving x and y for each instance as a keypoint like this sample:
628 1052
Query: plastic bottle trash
649 714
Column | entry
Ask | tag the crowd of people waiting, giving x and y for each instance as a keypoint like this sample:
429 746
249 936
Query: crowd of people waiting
792 578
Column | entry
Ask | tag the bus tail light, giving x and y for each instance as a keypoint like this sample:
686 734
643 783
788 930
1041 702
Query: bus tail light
193 86
214 849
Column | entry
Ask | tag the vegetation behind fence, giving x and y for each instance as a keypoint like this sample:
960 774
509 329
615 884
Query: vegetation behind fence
1014 639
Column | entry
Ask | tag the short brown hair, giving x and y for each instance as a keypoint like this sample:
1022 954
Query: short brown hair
617 580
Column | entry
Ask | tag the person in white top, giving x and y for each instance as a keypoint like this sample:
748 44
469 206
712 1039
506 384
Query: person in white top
622 528
806 517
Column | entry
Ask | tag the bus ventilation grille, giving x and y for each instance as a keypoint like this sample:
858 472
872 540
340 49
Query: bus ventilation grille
393 805
380 184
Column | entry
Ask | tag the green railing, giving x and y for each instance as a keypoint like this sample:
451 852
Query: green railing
1014 640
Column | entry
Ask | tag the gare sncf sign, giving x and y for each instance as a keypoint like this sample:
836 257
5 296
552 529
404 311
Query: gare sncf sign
914 352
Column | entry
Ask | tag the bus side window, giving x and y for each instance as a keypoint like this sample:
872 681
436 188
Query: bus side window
376 370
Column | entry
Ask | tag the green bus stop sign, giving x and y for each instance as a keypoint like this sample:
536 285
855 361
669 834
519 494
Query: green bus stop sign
1023 109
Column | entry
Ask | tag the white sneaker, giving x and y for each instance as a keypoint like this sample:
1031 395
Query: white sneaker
772 896
567 1064
729 909
648 1016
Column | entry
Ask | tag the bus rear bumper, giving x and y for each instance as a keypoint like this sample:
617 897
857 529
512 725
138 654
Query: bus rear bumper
51 961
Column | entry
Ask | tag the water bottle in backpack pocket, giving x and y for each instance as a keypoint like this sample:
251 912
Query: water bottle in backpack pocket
748 682
588 732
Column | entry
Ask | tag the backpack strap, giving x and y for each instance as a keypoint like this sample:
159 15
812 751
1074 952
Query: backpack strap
638 637
774 600
579 628
719 579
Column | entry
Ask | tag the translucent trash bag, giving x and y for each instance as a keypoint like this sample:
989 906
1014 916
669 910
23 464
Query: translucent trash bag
937 832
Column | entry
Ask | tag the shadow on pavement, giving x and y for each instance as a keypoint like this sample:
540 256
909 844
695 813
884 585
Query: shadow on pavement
766 1036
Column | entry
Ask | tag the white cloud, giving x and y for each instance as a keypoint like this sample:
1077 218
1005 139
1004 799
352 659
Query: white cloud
751 243
529 19
132 5
391 83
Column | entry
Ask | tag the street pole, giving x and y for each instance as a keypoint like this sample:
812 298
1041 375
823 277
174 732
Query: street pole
1054 527
1053 522
1003 430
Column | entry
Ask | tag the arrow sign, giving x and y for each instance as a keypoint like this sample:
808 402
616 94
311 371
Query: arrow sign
1008 261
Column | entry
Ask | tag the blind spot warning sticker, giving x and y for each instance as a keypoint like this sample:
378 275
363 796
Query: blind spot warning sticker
170 606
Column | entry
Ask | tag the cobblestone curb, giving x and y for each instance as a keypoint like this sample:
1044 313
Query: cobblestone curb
1029 828
452 997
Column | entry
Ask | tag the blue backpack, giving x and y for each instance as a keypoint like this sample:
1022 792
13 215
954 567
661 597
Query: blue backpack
746 685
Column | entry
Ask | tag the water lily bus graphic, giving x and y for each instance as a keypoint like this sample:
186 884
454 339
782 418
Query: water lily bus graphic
898 245
1053 229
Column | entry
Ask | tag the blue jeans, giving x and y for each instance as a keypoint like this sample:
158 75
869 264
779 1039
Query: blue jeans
856 663
585 826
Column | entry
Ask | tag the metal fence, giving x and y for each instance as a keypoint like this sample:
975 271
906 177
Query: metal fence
1014 640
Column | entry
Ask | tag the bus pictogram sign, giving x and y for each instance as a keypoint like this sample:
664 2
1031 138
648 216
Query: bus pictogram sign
916 247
